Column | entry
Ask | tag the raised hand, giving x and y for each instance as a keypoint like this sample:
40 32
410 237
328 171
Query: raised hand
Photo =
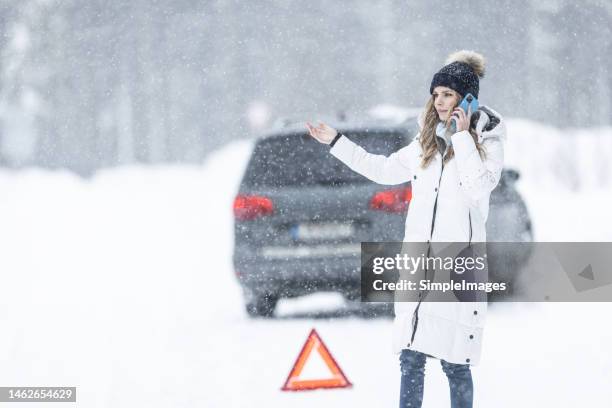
322 133
462 119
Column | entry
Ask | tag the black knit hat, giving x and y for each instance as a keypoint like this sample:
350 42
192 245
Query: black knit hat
461 74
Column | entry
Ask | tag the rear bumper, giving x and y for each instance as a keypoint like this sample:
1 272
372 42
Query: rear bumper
299 275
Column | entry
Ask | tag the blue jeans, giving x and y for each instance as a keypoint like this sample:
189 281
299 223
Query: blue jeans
459 377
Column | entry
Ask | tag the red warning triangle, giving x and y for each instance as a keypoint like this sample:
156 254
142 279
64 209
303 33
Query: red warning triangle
337 379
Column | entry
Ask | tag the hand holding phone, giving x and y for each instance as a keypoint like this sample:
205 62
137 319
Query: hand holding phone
468 103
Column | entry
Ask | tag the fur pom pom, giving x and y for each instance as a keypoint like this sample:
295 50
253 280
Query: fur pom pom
475 60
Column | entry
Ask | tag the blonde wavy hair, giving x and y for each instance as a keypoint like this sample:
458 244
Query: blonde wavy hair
428 133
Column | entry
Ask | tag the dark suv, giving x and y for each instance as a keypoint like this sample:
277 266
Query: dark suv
300 214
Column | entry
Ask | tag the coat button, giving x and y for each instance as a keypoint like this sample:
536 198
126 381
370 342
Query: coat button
459 183
475 312
467 360
415 176
471 336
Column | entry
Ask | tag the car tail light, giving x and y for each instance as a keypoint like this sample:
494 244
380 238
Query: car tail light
393 201
249 207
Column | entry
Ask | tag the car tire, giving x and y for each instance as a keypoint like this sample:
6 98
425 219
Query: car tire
262 305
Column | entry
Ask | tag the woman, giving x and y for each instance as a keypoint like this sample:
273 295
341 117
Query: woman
452 167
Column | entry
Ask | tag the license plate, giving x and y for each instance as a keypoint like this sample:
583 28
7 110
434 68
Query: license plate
310 251
314 231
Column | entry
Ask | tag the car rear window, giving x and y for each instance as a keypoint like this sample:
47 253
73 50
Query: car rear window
299 160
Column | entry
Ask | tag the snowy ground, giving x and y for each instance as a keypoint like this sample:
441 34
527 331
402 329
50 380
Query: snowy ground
123 287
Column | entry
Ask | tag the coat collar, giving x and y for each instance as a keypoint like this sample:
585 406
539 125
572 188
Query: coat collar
490 124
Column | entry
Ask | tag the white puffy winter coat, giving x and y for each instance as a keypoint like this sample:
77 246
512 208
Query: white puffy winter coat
451 331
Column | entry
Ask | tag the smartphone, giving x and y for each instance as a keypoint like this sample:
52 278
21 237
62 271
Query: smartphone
469 101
